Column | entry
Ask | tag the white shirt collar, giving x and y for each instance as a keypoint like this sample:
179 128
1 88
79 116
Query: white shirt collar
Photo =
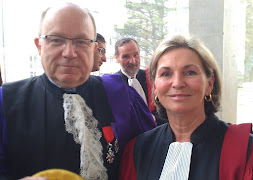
129 77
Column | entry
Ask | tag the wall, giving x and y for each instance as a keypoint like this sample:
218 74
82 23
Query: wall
215 24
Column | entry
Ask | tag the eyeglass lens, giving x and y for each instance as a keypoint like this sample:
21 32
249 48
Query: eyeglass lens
101 50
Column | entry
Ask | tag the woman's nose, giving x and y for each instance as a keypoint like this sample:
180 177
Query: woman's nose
178 81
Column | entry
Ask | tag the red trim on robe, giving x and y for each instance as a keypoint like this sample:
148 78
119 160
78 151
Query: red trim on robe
248 175
150 102
127 170
234 151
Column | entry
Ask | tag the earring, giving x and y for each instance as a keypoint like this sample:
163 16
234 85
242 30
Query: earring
157 100
208 98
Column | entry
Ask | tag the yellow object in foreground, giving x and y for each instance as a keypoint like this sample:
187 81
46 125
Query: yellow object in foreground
58 174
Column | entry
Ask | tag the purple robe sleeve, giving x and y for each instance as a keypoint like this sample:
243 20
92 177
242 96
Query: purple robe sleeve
132 115
3 138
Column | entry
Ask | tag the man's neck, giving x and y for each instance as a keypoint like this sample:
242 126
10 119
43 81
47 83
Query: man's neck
65 89
127 75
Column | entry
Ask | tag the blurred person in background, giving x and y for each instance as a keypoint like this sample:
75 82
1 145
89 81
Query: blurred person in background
127 54
1 81
99 54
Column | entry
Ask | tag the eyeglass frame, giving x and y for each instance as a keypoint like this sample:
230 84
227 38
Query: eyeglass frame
100 49
65 38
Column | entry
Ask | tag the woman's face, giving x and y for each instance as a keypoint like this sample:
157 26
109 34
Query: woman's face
181 82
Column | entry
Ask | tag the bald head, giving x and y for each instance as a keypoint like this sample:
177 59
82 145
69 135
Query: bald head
69 10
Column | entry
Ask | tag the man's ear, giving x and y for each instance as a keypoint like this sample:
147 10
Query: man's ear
37 44
95 47
116 57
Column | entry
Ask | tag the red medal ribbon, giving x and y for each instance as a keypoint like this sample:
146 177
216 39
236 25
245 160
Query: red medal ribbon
108 133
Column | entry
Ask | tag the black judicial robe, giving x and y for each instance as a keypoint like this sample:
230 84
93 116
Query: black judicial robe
37 139
150 150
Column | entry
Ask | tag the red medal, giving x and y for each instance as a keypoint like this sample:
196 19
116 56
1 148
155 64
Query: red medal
108 133
109 136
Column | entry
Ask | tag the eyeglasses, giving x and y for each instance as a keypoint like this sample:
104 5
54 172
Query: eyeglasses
56 41
101 50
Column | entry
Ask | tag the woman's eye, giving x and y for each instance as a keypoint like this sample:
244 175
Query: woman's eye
190 73
166 74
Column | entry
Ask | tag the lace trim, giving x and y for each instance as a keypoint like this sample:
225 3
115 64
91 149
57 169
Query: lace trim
80 122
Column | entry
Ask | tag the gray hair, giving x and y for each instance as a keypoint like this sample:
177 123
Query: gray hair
122 41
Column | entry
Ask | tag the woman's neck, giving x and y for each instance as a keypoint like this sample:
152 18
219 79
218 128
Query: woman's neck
183 124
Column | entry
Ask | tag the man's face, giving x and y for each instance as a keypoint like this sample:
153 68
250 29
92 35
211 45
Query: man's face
68 65
99 56
129 58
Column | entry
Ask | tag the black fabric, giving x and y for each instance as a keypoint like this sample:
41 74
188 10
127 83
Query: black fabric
159 119
37 138
151 148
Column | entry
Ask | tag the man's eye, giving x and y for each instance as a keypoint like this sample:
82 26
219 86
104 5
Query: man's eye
136 55
57 40
80 42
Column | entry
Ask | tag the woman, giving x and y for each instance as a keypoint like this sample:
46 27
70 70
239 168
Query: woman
186 88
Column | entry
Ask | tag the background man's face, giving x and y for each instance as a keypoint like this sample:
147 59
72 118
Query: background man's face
99 57
129 58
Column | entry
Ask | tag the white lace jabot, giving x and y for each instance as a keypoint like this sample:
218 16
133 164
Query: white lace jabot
177 162
80 122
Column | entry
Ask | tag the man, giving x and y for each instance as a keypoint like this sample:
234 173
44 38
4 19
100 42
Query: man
127 54
99 55
63 119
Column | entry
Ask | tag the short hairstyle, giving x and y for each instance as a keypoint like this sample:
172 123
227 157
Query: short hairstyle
100 38
86 11
122 41
208 61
